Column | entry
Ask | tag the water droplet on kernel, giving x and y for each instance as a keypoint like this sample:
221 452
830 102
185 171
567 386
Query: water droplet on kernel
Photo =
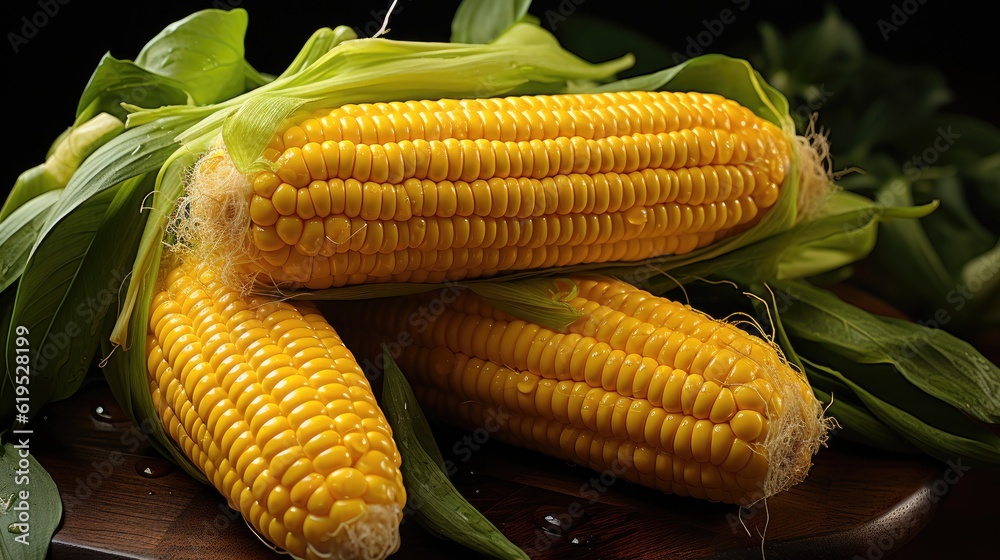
527 384
442 361
636 215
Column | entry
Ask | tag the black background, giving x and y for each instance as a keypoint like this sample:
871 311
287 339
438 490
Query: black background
44 78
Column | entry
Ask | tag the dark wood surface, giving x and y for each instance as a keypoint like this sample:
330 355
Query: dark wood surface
123 501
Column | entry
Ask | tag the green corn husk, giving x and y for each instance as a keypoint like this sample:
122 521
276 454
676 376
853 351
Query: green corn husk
334 67
523 59
433 500
122 187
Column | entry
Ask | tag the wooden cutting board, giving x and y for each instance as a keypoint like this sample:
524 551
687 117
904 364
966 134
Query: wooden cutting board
122 500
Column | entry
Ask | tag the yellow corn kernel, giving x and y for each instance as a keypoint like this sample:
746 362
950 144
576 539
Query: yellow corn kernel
255 424
602 395
485 186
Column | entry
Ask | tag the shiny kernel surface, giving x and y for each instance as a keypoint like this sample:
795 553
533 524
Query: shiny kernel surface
609 391
254 420
428 191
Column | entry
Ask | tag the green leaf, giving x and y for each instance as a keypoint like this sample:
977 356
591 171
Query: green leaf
538 300
320 43
168 189
855 421
982 274
72 281
7 395
937 362
42 294
937 429
248 131
203 52
121 81
399 393
482 21
714 73
846 215
431 498
18 234
59 139
829 254
33 494
824 52
953 231
126 367
29 184
68 152
905 251
807 256
252 79
140 150
372 70
857 424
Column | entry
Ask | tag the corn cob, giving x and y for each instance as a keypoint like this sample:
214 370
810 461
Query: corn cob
266 400
652 389
426 191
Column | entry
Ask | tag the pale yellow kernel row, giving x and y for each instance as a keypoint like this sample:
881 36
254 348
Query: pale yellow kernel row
341 235
468 160
511 197
515 118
